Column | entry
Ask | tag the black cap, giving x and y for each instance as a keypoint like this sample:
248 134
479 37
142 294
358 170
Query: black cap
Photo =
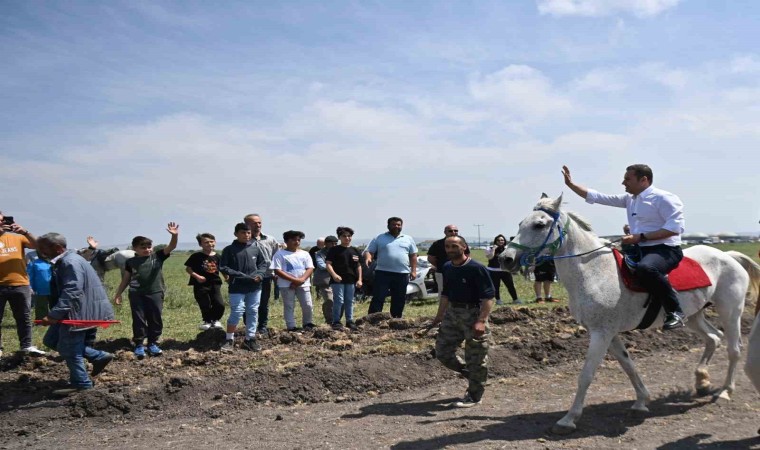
332 239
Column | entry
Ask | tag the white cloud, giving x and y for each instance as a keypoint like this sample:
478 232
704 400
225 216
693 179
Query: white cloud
602 80
521 92
747 64
600 8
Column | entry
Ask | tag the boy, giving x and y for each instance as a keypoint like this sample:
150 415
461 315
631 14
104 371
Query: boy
293 268
145 278
40 272
245 265
203 268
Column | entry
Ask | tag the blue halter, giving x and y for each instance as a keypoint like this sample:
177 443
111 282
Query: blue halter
531 256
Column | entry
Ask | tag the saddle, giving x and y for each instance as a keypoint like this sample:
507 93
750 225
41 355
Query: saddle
686 276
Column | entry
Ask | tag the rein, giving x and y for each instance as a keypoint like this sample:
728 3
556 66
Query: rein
531 255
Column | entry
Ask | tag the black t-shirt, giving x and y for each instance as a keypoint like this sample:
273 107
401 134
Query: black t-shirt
468 283
345 262
438 249
206 266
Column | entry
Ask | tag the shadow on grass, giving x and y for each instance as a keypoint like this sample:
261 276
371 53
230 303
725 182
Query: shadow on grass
608 420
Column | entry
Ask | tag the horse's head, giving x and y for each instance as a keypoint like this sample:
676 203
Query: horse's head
541 233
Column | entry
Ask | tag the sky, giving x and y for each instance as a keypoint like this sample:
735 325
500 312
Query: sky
118 117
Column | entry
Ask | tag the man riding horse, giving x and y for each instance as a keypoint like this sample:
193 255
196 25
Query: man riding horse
656 222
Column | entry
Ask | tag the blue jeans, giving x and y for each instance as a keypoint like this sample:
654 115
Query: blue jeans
249 303
343 295
396 283
74 349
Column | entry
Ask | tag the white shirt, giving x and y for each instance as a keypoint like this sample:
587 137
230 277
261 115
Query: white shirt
294 263
653 209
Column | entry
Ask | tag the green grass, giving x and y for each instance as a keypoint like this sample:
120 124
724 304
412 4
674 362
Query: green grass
181 314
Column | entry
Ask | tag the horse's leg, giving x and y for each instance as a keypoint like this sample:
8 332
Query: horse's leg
597 348
732 326
702 327
617 349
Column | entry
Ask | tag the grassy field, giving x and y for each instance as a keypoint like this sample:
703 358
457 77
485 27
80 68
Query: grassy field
181 314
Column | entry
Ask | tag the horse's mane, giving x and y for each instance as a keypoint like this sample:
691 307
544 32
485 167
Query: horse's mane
580 221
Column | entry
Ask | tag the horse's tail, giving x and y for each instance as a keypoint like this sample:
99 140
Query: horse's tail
753 269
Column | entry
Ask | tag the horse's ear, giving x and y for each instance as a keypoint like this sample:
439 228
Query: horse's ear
557 203
543 195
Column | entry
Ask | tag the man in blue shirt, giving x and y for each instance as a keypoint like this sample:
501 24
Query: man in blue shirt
466 302
656 222
396 256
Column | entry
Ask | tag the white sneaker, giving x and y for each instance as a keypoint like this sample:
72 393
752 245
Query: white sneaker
218 325
467 402
204 326
33 351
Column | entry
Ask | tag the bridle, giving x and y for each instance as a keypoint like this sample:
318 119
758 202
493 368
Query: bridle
531 255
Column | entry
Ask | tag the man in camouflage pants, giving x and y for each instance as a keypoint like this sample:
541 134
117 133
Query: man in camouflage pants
466 301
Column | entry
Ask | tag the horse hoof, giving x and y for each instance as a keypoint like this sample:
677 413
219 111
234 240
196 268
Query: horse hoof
724 396
562 429
639 410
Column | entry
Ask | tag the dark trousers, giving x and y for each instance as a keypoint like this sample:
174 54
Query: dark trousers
395 283
497 276
656 262
146 316
20 298
266 292
210 302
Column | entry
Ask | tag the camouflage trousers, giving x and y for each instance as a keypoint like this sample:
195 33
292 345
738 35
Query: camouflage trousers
457 327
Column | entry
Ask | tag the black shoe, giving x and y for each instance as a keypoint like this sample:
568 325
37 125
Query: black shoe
294 329
309 326
673 320
337 326
263 332
352 326
65 392
228 346
101 364
251 345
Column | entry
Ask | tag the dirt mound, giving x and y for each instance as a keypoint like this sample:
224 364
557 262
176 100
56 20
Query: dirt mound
320 365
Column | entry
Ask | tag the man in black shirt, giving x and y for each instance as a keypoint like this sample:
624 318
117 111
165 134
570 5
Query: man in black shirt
466 302
436 255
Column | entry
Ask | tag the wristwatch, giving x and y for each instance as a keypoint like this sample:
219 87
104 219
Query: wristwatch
642 238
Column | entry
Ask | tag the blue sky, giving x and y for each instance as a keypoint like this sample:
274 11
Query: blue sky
120 116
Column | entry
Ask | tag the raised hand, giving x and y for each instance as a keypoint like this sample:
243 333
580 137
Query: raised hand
173 228
92 242
566 174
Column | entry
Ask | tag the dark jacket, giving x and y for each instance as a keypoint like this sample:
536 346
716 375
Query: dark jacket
243 262
78 293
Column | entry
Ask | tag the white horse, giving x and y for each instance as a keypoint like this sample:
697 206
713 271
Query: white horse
605 307
752 366
114 260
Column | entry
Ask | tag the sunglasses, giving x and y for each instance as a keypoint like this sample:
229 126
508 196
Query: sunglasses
451 231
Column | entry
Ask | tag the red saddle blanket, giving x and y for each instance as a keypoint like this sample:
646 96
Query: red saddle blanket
687 275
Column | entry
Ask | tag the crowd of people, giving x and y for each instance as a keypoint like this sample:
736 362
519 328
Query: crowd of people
72 298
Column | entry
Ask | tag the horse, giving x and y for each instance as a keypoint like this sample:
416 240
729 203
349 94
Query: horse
105 260
752 365
602 304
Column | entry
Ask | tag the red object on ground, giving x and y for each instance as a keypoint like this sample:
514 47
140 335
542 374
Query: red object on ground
688 275
84 323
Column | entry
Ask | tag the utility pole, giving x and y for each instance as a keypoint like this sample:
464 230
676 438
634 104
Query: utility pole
478 225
